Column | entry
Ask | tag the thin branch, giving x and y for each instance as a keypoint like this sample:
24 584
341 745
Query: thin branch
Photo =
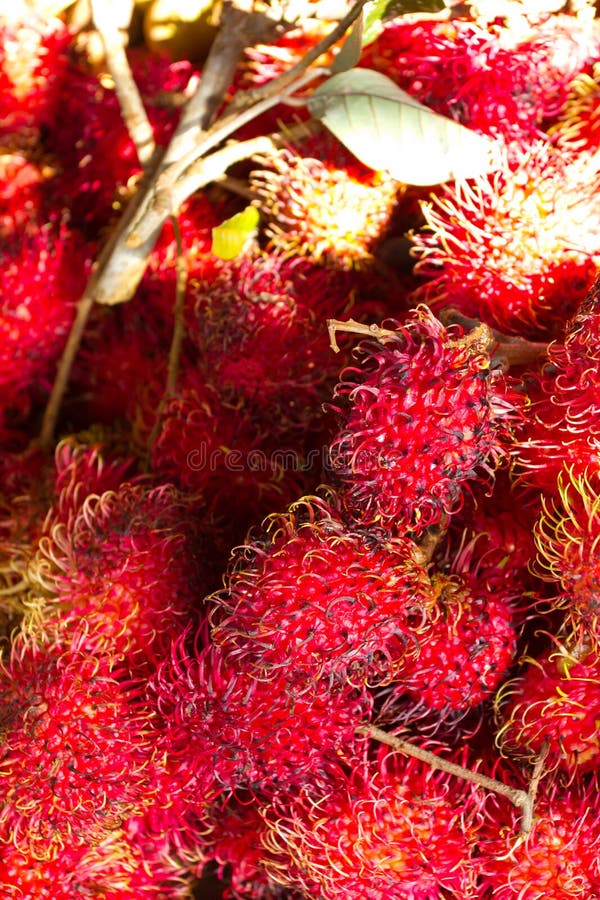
538 771
236 186
134 114
510 350
523 800
178 311
84 308
176 340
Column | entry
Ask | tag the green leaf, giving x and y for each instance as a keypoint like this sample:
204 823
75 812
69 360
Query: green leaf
349 53
377 12
390 131
230 238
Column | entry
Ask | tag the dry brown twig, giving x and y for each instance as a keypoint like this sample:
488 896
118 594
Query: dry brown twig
106 20
523 800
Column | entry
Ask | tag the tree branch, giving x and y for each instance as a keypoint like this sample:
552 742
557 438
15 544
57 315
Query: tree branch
105 17
523 800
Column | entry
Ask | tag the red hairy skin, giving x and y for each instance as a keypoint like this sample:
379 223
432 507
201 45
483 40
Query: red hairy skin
127 564
230 731
578 125
567 535
491 538
36 492
421 415
496 80
562 426
76 754
112 869
554 700
42 276
395 831
466 650
314 599
235 845
259 337
517 249
558 858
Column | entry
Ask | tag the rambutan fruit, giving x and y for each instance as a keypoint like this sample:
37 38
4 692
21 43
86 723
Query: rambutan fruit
517 249
131 342
577 128
43 276
259 328
311 599
228 731
466 650
561 429
499 80
491 538
554 701
394 831
567 535
217 452
76 755
235 850
127 565
421 414
557 858
36 493
322 203
111 869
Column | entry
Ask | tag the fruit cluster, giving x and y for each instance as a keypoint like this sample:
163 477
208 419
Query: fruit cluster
390 686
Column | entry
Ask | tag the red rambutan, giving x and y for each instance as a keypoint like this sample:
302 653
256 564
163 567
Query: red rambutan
395 832
517 249
491 538
229 731
555 700
558 857
499 80
42 277
466 650
561 429
567 535
578 126
312 598
125 564
111 869
75 757
421 414
322 203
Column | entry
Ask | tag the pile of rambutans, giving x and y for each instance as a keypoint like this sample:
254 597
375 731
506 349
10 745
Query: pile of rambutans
300 561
